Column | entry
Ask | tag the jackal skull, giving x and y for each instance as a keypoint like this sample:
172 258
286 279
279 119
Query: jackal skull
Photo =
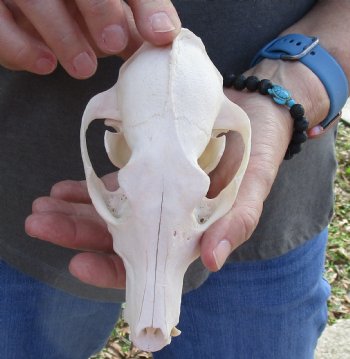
168 109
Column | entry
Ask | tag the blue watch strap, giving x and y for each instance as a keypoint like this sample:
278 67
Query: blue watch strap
306 49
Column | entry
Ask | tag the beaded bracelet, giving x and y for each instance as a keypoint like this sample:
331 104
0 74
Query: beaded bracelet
282 97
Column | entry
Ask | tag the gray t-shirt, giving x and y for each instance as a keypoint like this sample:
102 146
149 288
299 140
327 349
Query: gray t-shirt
39 145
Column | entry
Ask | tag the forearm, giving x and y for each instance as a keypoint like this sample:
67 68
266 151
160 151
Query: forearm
329 21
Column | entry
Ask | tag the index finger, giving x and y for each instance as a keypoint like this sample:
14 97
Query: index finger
106 22
156 20
77 192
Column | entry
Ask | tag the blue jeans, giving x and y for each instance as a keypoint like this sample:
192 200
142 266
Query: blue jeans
271 309
40 322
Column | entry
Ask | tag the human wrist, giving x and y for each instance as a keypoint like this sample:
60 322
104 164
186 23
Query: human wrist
310 52
292 85
304 86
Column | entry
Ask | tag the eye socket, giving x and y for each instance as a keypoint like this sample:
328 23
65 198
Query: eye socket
96 148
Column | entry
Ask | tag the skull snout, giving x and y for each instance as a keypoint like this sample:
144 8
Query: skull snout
156 320
153 325
152 338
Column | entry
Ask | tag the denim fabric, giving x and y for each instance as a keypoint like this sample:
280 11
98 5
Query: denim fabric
271 309
40 322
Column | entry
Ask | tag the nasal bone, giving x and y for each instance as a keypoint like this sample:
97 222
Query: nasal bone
151 338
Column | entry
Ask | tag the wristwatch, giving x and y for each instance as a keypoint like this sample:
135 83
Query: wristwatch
307 50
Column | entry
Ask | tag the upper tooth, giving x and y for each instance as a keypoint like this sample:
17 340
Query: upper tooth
175 332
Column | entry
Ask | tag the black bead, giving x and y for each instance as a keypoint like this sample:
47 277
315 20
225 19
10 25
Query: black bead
297 111
239 82
293 149
228 79
288 155
299 137
301 124
264 85
252 83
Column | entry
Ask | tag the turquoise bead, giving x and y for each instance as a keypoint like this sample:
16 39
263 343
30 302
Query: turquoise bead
281 96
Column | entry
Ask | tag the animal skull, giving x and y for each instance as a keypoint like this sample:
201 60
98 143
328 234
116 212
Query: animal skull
168 108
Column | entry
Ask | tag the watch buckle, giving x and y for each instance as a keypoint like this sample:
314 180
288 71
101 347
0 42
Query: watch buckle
314 43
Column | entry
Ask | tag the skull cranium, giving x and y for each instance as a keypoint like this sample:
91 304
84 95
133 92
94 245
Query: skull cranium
168 108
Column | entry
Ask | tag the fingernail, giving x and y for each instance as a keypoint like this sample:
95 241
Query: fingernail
315 131
30 225
114 37
161 22
221 252
45 65
83 65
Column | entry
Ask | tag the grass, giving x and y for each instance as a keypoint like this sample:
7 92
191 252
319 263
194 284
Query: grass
337 259
338 252
119 345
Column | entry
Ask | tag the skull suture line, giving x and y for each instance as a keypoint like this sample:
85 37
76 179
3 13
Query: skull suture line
168 108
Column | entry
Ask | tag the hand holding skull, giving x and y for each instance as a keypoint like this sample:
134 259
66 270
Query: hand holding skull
34 35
